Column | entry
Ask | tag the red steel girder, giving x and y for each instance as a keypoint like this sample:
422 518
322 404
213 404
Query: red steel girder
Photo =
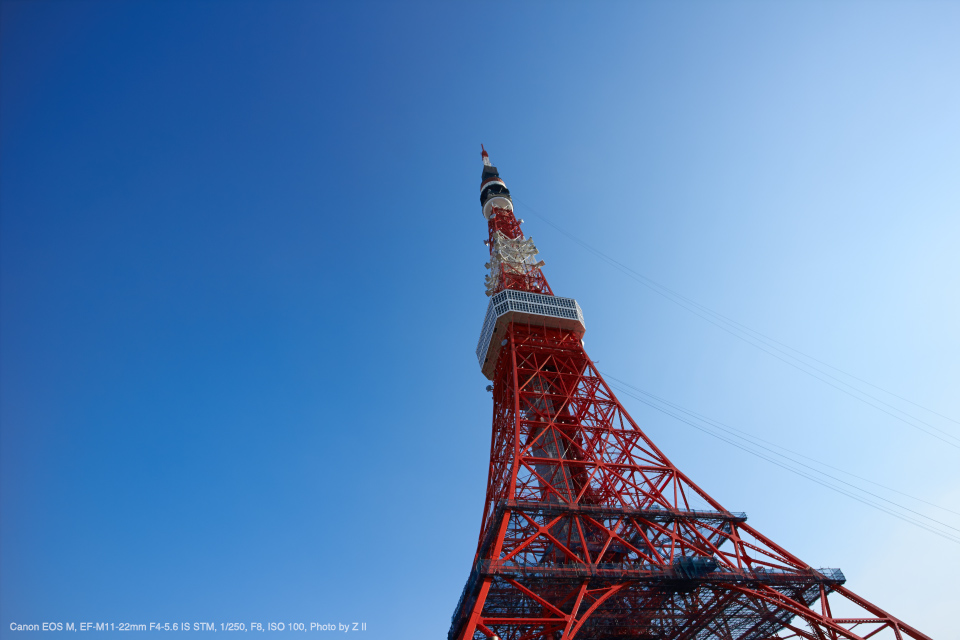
590 531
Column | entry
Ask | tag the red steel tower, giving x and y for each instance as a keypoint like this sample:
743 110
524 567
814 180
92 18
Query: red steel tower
588 530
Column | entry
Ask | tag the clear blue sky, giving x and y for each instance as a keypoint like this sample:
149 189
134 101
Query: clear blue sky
242 284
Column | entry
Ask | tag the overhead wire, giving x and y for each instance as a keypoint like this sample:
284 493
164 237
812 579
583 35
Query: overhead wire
859 498
808 356
762 342
739 433
768 345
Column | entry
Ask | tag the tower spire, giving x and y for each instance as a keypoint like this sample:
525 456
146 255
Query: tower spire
588 529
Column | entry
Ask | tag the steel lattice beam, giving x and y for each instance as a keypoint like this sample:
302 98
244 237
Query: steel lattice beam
589 531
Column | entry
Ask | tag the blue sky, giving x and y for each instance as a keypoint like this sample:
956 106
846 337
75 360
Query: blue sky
241 284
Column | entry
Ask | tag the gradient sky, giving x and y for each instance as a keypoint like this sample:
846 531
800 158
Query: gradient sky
241 282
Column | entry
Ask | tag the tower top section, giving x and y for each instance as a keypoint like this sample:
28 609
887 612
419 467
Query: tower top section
518 290
493 192
513 262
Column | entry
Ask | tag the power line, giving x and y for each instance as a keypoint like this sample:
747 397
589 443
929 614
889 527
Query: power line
903 517
739 433
742 434
906 518
740 331
806 355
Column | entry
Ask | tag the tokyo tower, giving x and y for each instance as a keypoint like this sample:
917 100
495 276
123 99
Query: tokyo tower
588 530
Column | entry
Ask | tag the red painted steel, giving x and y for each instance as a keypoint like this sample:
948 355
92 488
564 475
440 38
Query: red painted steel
522 277
589 531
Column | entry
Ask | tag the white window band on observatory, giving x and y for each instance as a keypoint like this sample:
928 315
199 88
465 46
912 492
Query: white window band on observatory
553 311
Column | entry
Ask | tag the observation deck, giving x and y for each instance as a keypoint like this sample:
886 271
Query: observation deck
535 309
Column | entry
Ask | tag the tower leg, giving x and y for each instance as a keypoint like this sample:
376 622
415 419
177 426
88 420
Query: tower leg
474 619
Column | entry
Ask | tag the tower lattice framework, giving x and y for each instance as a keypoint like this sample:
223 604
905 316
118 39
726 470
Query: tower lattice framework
588 530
